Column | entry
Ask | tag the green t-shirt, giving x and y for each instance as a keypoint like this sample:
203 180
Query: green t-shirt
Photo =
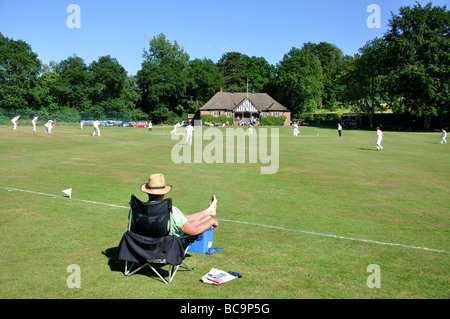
178 220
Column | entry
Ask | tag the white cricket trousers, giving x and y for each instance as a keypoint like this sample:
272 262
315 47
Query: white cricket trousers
188 138
379 147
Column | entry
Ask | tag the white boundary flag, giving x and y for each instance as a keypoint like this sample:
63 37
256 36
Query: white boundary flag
68 192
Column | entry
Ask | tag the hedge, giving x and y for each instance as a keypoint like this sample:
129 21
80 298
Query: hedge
315 117
273 120
216 119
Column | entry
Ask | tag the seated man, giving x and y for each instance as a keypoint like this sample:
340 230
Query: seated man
193 224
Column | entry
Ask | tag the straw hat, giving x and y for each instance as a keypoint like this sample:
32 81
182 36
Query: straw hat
156 185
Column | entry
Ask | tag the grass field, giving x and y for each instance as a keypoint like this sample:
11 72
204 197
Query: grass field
311 230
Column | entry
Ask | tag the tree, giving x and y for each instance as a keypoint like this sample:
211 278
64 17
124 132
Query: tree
299 81
233 66
108 78
72 88
162 79
364 78
19 72
204 80
260 74
418 55
332 61
130 93
46 85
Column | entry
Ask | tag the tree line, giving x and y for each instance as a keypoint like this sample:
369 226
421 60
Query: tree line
407 71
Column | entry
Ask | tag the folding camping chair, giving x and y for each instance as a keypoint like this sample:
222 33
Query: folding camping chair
149 239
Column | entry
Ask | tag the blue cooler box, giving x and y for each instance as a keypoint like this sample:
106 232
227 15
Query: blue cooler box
205 244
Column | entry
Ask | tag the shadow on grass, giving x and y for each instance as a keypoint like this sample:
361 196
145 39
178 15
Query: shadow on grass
113 262
367 149
118 265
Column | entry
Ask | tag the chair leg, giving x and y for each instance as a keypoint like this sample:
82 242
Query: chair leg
161 277
127 271
171 275
184 264
172 271
187 266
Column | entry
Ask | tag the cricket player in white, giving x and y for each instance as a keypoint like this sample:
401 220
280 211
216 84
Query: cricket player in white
295 126
96 124
14 121
33 121
48 126
174 131
379 139
443 137
189 131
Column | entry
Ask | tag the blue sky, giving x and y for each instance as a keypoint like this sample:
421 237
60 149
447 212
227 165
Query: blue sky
204 28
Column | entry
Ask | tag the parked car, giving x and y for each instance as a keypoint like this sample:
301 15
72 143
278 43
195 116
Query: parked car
115 123
140 124
103 123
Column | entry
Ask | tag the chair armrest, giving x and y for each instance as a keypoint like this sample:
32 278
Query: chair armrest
190 238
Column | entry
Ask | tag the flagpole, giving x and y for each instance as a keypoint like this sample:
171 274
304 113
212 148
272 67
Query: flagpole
247 87
248 103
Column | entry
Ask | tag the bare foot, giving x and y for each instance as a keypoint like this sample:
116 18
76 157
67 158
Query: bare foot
212 206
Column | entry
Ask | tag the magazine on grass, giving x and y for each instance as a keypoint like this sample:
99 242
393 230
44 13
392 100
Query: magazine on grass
217 277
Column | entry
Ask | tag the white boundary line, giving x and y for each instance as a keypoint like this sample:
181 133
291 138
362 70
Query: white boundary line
248 223
58 196
340 237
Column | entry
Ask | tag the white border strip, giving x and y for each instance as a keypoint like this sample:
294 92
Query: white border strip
336 236
248 223
58 196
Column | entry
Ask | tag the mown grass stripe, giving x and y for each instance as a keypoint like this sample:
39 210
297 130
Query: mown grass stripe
248 223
